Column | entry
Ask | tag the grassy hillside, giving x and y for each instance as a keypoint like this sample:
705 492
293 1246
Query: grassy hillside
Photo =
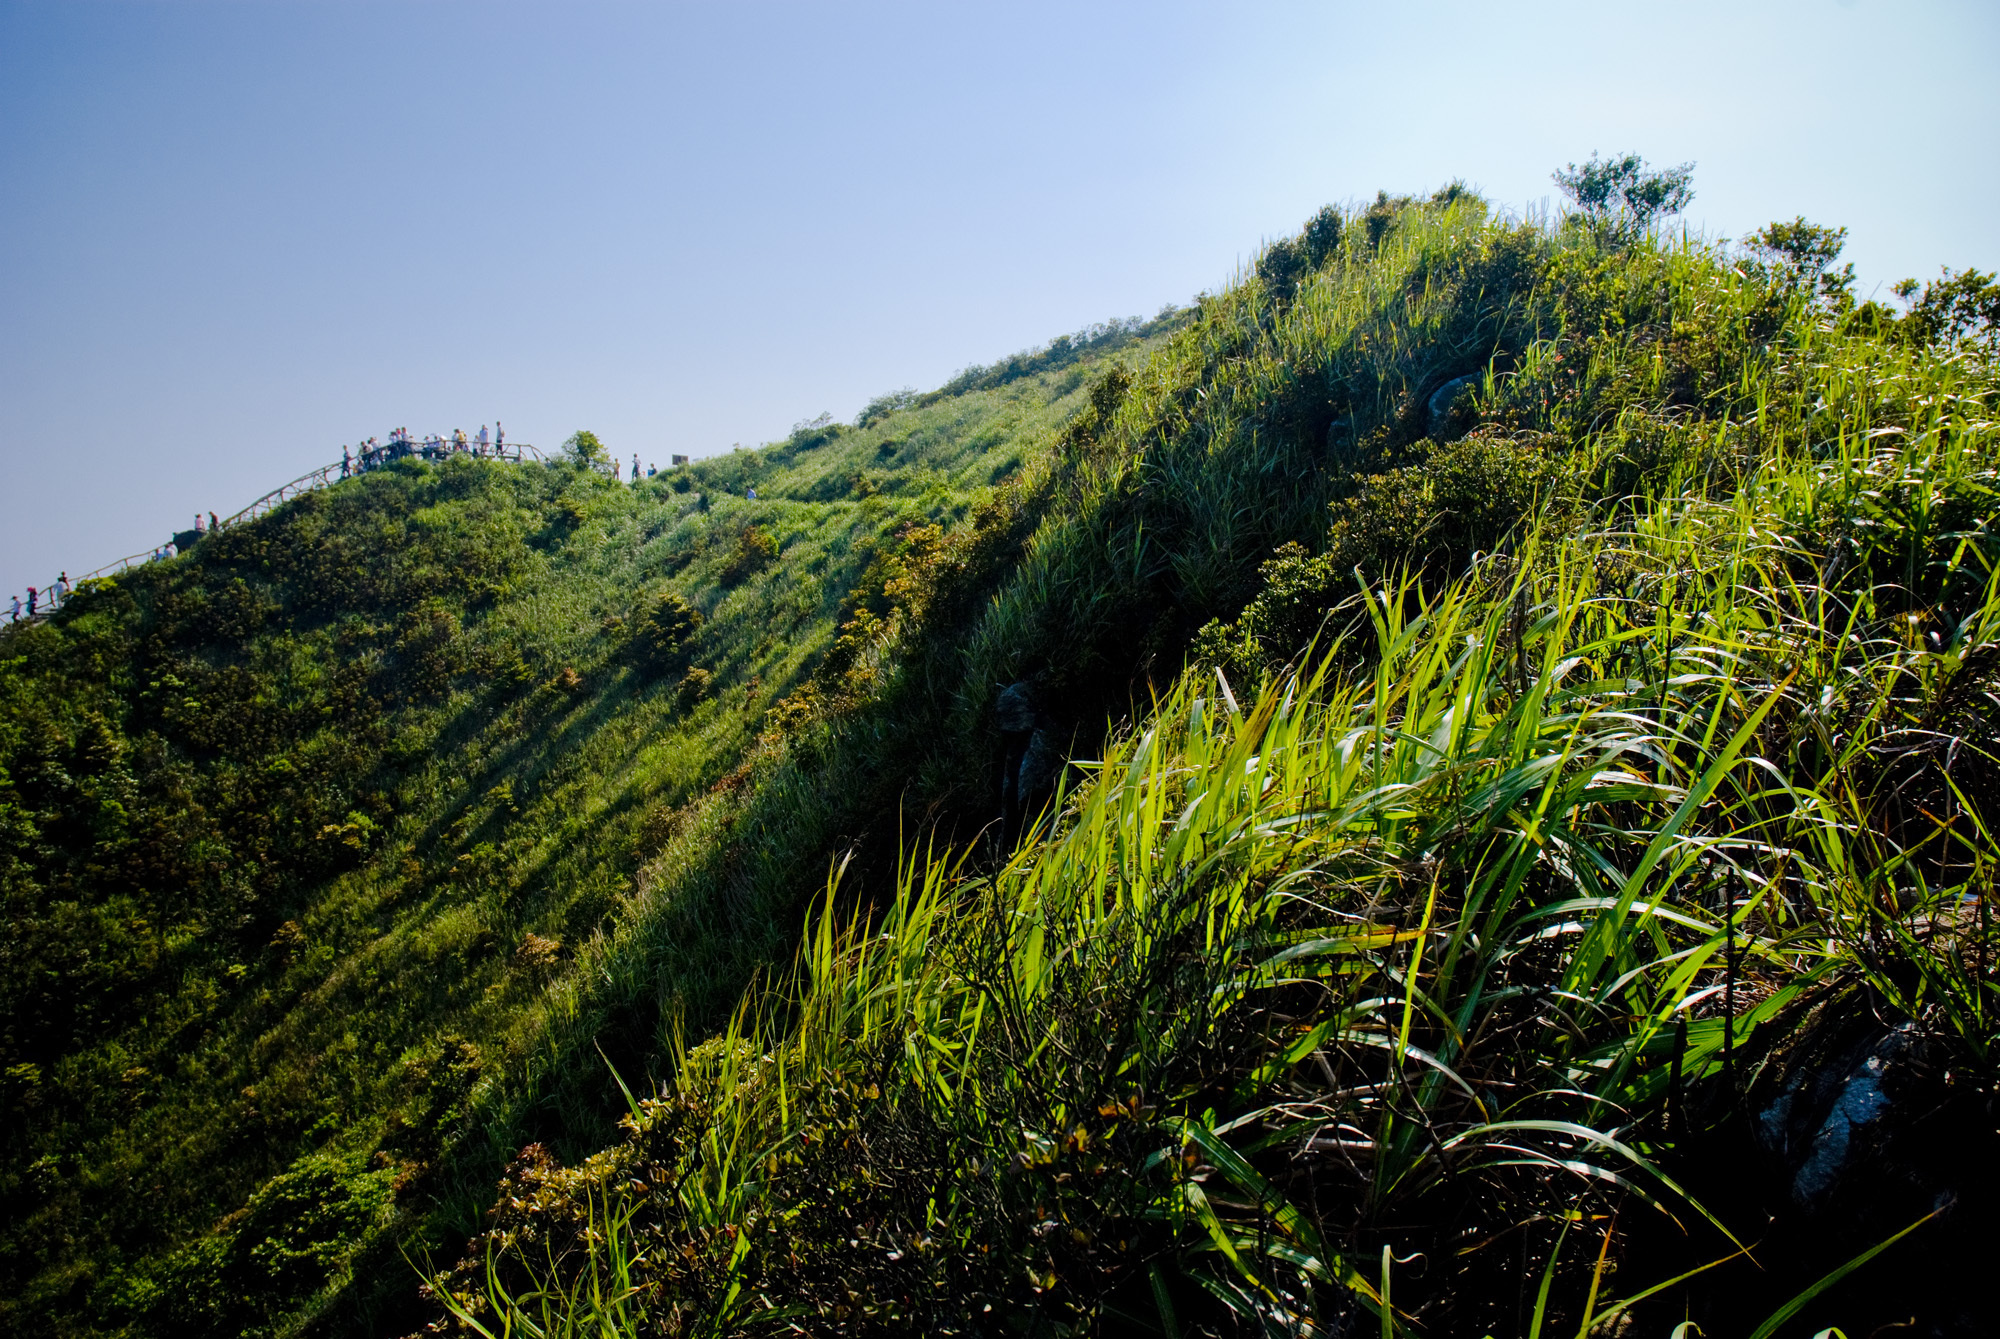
1589 931
298 830
1526 693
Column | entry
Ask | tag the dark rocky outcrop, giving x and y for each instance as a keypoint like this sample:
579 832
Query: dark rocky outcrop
1033 754
1441 410
1855 1125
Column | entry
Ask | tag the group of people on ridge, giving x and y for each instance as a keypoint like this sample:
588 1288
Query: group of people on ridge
373 455
617 470
43 600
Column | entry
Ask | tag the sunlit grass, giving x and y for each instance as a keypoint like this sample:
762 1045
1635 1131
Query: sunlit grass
1433 941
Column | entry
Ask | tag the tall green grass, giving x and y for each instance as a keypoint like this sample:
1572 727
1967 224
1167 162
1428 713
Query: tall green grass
1446 948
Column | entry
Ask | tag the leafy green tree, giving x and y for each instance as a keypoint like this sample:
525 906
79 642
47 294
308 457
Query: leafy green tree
1802 254
1619 198
1290 259
884 405
1959 308
584 447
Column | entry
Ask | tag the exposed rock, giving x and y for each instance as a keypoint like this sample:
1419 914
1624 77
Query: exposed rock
1041 765
1438 409
1032 755
1014 709
1865 1126
1821 1151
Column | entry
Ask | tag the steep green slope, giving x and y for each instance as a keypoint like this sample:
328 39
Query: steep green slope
1519 956
297 830
372 843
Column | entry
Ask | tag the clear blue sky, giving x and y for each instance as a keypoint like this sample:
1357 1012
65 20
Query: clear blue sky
234 235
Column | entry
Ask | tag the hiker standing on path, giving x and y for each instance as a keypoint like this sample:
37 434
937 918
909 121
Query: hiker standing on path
62 587
32 596
635 467
483 439
213 524
346 463
17 609
197 523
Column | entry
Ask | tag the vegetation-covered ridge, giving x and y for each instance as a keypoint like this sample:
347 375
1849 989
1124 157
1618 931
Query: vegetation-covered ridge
307 836
1553 897
1528 689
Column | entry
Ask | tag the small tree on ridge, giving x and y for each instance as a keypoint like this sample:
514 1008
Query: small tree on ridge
1619 198
584 447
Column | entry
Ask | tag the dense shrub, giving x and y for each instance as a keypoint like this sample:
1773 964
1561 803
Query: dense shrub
752 553
666 630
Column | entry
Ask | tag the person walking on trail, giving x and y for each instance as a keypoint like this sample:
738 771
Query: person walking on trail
33 595
635 467
483 439
17 609
213 524
346 463
62 586
499 438
197 523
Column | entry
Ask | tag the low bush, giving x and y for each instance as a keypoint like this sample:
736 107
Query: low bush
753 552
666 629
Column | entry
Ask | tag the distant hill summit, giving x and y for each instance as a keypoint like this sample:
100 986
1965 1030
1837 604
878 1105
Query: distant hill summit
1444 788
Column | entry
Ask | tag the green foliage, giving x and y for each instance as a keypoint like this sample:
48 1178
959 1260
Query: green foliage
1958 308
1288 260
1619 198
882 406
298 1233
1803 254
289 825
1327 908
752 553
344 851
695 685
669 625
584 448
1436 517
1459 936
1089 344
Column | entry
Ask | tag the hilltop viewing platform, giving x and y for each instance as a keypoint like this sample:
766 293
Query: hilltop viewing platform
369 455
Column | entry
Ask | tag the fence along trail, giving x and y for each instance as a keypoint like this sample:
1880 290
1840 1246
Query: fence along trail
51 595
